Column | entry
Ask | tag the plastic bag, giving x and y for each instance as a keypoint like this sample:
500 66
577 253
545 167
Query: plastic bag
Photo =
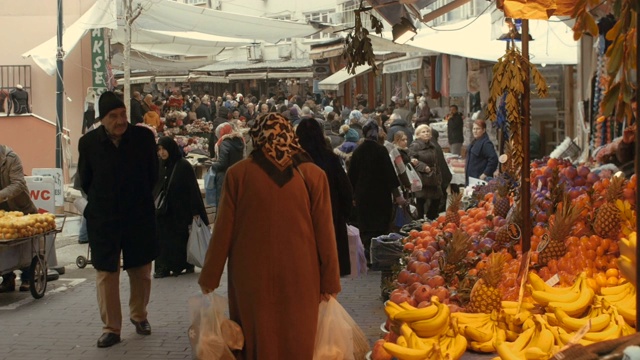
211 334
334 337
198 242
414 178
386 250
210 187
356 252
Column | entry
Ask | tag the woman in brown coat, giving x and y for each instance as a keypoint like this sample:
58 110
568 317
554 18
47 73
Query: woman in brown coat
283 260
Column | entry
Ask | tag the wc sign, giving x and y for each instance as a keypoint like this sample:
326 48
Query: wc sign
42 192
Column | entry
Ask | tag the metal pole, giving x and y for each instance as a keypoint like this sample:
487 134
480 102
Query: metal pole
59 90
637 166
525 184
127 54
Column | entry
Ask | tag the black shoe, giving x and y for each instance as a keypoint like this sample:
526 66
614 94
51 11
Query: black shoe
108 339
25 287
143 327
83 241
190 270
8 286
160 275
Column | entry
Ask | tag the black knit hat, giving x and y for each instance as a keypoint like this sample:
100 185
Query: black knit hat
109 101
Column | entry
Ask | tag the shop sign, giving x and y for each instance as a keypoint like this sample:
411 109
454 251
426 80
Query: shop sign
41 190
98 61
400 66
56 175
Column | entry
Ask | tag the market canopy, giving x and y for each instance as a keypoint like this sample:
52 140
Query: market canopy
164 24
334 81
473 38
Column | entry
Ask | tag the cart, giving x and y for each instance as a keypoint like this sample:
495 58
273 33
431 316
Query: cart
29 252
82 261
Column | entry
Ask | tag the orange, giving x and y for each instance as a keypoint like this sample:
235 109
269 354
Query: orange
612 273
612 281
601 279
593 284
538 230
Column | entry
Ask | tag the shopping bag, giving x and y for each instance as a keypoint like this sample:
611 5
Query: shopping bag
414 178
356 252
198 242
334 337
385 251
211 334
210 187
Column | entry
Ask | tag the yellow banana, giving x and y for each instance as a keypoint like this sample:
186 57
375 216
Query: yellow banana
405 331
457 348
507 353
566 338
514 305
479 334
404 353
628 314
628 268
392 311
544 298
535 353
551 319
406 306
545 340
612 290
465 318
556 335
537 283
435 325
402 341
416 343
614 298
580 305
484 347
511 335
598 323
419 314
614 331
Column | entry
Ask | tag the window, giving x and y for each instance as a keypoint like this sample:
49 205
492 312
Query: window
195 2
325 16
348 17
282 17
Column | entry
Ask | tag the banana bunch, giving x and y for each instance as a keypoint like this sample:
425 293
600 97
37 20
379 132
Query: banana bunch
429 321
481 330
627 260
536 342
623 299
567 301
544 294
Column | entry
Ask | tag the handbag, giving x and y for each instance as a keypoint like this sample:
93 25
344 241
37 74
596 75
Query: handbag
198 242
414 178
431 178
161 199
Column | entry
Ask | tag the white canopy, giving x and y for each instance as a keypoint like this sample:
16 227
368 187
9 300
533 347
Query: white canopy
170 28
334 81
472 38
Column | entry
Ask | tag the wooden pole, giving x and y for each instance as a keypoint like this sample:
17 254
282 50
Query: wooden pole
525 184
637 157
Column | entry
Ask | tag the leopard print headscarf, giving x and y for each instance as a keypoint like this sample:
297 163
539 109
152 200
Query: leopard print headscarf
273 134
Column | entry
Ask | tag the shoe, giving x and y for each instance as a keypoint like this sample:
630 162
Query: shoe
108 339
189 270
25 287
8 286
160 275
83 241
143 327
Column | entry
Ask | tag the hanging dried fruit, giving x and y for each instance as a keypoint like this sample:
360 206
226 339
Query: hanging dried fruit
357 44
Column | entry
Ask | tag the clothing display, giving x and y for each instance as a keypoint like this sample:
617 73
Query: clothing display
18 101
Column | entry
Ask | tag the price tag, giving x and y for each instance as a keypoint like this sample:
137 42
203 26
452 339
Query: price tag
539 185
554 280
544 241
581 333
514 231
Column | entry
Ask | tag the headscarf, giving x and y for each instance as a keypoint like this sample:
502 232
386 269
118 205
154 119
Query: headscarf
311 138
370 131
222 130
172 148
276 148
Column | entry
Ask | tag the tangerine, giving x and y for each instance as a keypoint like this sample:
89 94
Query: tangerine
612 281
611 272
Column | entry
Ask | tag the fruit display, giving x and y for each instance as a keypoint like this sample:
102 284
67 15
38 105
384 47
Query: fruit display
16 225
577 287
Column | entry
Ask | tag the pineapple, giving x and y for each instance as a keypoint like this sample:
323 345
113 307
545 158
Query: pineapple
501 202
452 263
556 189
607 219
559 228
485 296
452 215
502 235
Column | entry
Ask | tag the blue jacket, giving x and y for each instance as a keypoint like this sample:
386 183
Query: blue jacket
481 159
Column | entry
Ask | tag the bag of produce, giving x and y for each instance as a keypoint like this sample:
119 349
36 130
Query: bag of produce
334 338
211 334
356 252
198 242
386 250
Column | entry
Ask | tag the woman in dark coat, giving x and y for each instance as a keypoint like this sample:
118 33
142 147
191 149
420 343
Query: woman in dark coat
427 159
482 160
184 204
312 140
229 150
447 176
375 184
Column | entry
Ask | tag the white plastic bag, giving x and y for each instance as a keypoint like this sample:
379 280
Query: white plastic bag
414 178
198 242
334 338
212 335
356 252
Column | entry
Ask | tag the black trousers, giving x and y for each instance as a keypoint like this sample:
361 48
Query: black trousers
428 207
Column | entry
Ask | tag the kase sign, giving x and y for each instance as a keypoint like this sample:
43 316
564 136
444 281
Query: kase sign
42 192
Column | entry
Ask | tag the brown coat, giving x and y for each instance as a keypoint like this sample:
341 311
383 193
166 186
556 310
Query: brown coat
282 255
13 187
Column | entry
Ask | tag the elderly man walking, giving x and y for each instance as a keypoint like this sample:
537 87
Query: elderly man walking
118 168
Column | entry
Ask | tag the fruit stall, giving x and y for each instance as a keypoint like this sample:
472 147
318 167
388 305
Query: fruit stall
540 262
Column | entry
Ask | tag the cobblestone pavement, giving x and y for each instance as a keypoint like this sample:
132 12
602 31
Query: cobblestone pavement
65 323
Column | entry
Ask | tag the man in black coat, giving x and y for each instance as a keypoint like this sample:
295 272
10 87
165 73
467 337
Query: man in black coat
454 130
137 114
118 168
399 124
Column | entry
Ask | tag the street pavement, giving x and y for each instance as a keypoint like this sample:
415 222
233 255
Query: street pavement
65 323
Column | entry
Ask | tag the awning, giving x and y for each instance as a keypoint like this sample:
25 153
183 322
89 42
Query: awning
188 28
323 52
334 81
137 80
208 78
154 64
405 63
293 74
168 79
276 65
248 76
